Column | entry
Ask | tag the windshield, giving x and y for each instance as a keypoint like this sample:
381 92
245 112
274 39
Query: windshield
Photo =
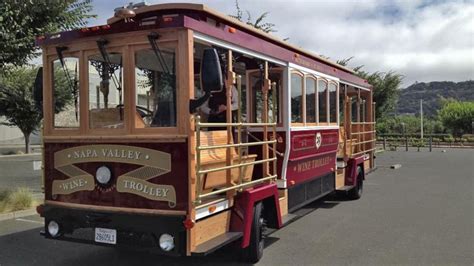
155 85
105 91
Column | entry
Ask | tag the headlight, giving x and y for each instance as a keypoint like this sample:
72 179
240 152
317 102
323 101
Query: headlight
103 175
53 228
166 242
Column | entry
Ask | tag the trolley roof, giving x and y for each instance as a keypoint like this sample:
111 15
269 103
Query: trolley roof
203 10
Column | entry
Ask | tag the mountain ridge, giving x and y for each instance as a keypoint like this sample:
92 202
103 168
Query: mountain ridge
431 93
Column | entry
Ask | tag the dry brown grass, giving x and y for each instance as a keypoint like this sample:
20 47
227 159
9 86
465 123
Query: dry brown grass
19 199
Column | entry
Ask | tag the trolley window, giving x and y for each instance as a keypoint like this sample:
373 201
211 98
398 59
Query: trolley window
296 98
310 100
155 88
322 101
332 102
66 92
106 109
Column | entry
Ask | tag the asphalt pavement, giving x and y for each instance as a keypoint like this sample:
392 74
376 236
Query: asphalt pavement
420 214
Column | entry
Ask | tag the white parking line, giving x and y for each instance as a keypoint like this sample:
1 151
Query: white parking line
29 221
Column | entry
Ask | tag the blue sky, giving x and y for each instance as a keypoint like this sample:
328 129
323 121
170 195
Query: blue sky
422 40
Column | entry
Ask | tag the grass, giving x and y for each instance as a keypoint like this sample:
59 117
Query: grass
19 199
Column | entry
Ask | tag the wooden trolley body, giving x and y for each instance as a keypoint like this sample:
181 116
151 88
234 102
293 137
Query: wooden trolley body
200 186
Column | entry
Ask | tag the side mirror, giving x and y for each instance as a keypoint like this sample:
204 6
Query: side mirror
38 90
211 73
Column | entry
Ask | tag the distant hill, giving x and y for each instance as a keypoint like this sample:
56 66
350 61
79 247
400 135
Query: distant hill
409 101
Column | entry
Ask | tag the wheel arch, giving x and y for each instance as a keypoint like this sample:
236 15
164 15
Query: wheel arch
242 214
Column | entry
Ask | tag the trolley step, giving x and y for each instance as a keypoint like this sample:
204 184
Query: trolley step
215 243
345 188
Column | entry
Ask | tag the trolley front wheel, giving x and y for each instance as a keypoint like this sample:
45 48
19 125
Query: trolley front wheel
254 251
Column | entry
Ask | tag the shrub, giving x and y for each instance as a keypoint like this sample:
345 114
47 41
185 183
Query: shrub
20 199
393 146
15 200
4 197
419 143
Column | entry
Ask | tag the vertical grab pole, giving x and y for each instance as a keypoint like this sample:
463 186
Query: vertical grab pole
198 159
359 139
229 159
274 121
239 127
265 88
344 107
348 124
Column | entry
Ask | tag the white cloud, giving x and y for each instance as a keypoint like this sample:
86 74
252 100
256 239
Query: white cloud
422 40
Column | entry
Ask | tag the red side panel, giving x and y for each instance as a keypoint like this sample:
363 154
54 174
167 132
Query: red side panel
242 213
313 154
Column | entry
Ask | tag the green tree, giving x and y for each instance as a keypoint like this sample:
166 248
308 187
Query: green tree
386 87
21 21
259 23
411 124
457 116
17 103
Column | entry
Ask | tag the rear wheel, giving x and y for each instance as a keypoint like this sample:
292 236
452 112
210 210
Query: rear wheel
254 251
356 192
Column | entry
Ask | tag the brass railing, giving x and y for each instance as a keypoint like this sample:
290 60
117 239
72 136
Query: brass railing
364 135
265 161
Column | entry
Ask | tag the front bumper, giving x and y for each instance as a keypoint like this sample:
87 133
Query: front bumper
137 231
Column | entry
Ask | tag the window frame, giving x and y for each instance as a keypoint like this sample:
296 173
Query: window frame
121 41
250 95
150 130
48 95
317 80
316 104
303 98
125 94
336 101
326 123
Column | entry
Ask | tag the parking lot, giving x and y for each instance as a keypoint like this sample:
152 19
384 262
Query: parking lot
420 214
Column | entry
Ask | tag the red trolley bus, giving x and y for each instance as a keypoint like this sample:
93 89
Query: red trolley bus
187 130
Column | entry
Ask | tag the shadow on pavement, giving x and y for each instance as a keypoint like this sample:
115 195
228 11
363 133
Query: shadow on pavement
29 248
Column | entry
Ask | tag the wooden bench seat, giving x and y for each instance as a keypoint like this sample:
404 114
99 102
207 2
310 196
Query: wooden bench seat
216 158
349 147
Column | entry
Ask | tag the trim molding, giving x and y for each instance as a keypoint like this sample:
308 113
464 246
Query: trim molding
310 71
236 48
113 209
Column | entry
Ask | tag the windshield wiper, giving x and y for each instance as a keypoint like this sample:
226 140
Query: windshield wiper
101 43
152 37
72 83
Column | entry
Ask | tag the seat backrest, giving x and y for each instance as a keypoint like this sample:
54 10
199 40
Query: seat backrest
104 118
342 134
211 138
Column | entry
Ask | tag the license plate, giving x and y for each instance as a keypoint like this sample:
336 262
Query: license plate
107 236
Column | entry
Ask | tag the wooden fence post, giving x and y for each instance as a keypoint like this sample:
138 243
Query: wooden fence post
431 143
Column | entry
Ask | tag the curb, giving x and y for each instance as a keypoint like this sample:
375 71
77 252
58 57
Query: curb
17 214
17 156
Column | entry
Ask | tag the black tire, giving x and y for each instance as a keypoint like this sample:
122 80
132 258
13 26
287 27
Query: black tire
254 252
356 192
